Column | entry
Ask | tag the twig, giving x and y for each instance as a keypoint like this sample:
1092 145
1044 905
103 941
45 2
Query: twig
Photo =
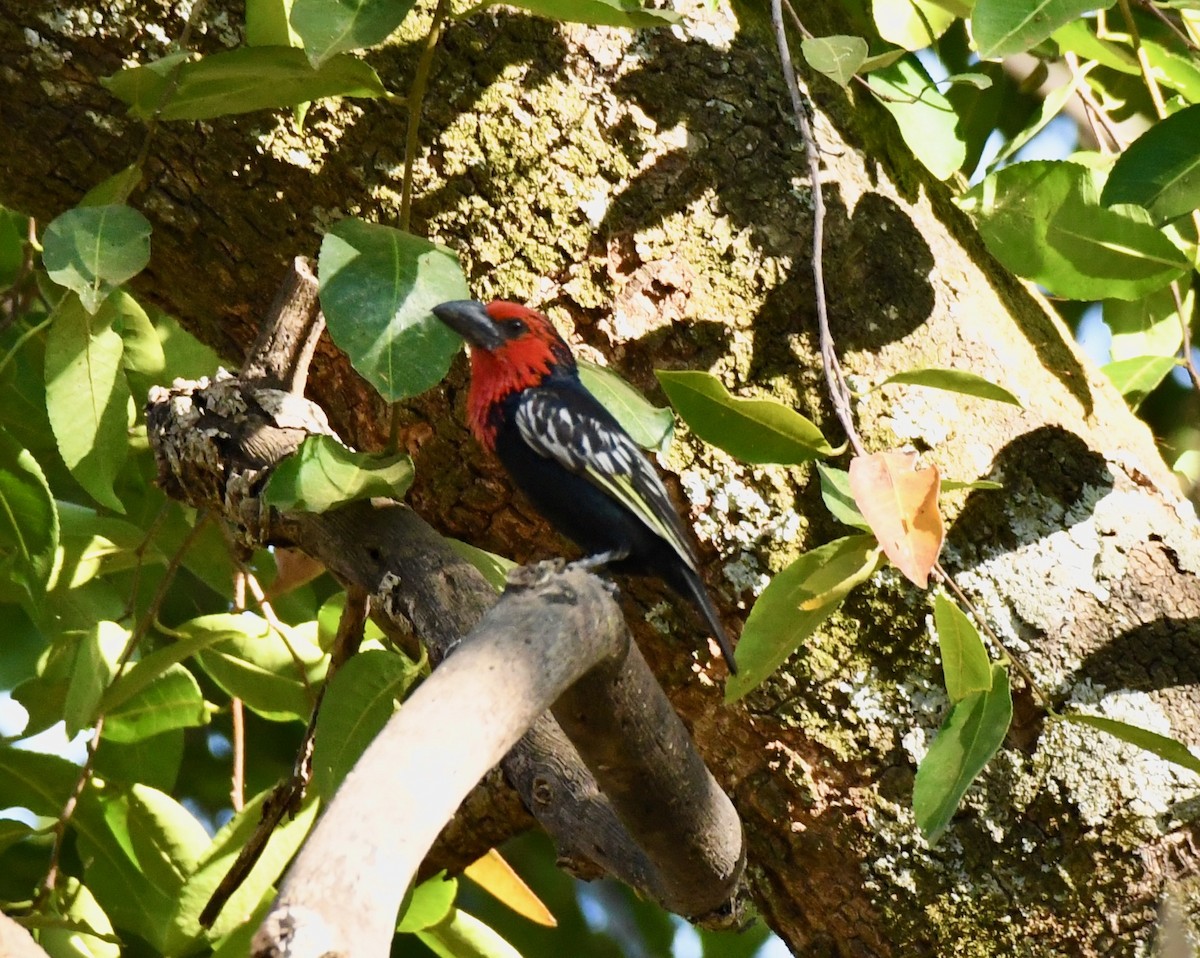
237 778
1143 60
416 97
839 391
1189 363
1094 112
264 605
947 579
68 810
288 795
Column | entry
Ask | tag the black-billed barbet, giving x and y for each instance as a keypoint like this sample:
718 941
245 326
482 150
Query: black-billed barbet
567 453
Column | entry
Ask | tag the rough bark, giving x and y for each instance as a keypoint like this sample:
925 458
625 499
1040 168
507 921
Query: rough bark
649 191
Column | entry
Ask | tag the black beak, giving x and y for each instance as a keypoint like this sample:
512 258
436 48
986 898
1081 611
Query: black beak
469 318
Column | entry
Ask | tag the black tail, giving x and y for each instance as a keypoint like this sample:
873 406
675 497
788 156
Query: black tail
688 584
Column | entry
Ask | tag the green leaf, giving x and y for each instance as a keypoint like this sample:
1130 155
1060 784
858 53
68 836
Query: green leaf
329 27
35 780
1005 27
1179 72
1043 221
28 520
1160 170
167 840
428 904
116 189
494 568
971 734
926 119
1149 326
795 603
173 700
87 398
378 287
955 381
329 616
93 249
154 761
1164 747
132 900
12 247
650 426
1138 376
95 664
911 24
950 485
323 474
261 672
191 637
13 832
837 57
213 866
267 24
602 13
965 662
1051 106
239 81
752 430
143 351
1078 37
80 913
359 699
464 936
839 500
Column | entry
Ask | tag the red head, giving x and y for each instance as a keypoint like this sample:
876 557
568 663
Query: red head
513 348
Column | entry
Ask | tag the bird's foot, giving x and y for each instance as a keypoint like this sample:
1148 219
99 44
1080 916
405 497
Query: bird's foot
534 574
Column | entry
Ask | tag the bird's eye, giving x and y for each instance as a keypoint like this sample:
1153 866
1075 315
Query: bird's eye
514 327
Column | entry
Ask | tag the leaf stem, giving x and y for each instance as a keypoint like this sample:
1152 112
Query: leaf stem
839 392
416 98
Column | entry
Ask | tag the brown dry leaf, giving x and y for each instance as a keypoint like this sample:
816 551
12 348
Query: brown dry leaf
900 504
496 876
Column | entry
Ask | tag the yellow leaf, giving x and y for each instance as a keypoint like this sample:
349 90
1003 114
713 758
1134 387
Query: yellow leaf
496 876
900 505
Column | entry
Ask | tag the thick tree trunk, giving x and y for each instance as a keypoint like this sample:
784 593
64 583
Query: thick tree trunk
650 189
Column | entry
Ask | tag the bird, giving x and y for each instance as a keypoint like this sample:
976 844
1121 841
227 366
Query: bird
568 454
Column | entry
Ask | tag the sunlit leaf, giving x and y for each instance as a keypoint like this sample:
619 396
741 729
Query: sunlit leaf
752 430
1042 220
955 381
323 474
926 119
28 519
360 698
239 81
604 13
1138 376
93 249
650 426
794 605
1149 326
911 24
839 500
493 567
1005 27
427 904
838 57
1160 170
171 701
87 397
329 27
900 504
500 880
79 915
462 935
378 287
971 734
1163 746
965 662
95 664
267 24
116 189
